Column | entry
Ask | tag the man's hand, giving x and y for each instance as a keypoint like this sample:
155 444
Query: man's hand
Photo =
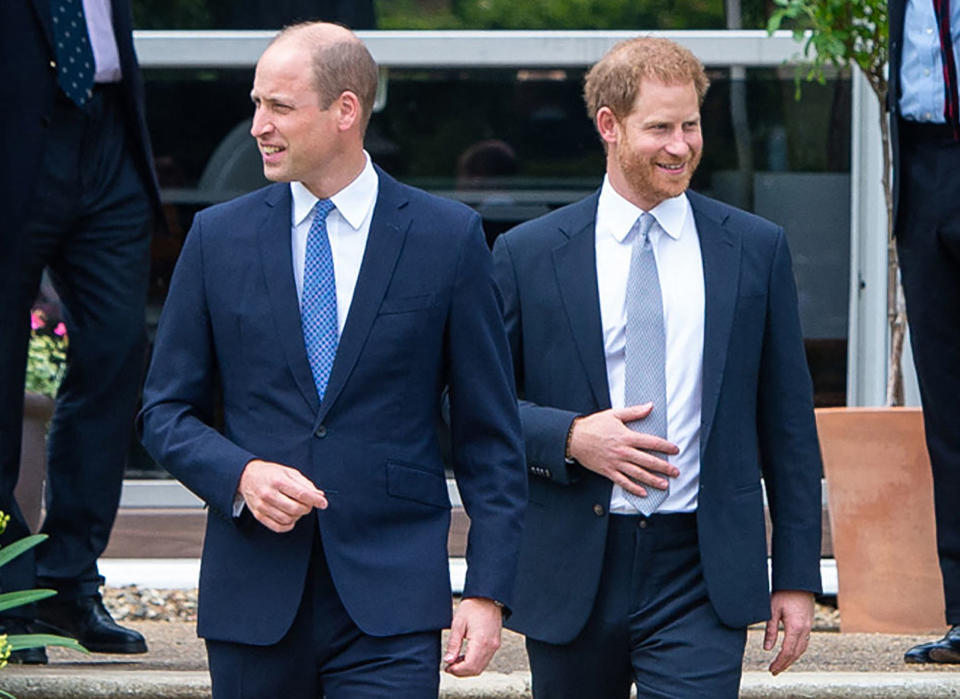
278 495
603 443
476 623
794 608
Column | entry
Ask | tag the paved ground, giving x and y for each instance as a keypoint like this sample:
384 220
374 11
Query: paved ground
174 646
167 620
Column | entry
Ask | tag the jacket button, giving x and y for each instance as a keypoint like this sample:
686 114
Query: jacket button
53 64
321 431
598 510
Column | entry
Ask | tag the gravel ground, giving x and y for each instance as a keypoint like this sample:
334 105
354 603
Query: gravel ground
167 619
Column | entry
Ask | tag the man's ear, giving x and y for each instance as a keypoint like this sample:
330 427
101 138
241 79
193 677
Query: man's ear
349 111
608 126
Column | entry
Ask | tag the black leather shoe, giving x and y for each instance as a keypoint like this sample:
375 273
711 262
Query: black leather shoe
88 621
25 656
946 650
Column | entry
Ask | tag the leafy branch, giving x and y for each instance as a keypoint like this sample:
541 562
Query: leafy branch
844 33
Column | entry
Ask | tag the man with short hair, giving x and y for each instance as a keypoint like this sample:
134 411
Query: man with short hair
332 311
659 359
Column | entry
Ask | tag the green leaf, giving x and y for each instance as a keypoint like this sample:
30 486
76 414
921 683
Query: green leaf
17 598
8 553
19 641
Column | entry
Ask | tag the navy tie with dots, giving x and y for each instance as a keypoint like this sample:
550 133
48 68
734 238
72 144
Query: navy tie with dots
75 66
318 301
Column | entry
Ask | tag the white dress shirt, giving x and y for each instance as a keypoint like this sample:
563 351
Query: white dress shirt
921 66
676 247
103 42
347 227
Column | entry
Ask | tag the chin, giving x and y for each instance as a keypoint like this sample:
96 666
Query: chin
669 190
276 175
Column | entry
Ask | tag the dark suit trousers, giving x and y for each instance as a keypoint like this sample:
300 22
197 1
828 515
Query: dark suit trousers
88 223
928 242
324 654
652 623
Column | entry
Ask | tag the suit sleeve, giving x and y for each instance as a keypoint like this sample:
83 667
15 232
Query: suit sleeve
790 451
544 428
178 397
485 427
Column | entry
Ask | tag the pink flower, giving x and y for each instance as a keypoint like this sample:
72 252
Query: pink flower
60 330
36 320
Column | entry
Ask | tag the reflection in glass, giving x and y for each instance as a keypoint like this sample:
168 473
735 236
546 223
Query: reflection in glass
515 144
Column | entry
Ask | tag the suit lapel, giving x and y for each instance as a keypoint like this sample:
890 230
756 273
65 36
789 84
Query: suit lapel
388 230
576 259
276 257
720 250
42 8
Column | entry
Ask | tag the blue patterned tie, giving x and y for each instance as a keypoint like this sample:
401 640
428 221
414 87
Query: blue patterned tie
75 65
318 303
645 371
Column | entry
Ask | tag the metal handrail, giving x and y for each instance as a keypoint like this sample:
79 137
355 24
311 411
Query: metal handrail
466 49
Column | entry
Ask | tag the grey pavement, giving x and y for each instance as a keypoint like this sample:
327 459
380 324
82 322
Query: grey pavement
836 665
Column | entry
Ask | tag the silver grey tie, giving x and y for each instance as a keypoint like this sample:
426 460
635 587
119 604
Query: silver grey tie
645 371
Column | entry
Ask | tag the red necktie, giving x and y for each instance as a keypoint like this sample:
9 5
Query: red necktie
951 109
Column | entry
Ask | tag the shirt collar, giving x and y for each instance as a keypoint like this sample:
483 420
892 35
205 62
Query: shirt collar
622 214
353 201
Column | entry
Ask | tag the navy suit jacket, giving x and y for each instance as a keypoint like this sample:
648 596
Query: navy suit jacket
27 93
756 419
425 313
896 10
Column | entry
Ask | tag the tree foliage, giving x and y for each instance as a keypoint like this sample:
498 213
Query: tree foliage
840 33
564 14
856 33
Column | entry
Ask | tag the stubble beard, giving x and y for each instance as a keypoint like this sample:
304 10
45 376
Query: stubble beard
642 175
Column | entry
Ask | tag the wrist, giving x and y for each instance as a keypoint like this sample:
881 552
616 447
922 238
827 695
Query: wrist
568 444
503 609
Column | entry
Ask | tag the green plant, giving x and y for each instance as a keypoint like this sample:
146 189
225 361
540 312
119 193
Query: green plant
556 14
17 598
47 354
854 33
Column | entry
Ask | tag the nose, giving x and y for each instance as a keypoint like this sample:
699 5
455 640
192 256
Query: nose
678 143
261 124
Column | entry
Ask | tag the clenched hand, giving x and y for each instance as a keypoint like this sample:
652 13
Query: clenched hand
278 495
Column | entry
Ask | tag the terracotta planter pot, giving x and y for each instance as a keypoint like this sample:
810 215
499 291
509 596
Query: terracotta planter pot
880 495
37 411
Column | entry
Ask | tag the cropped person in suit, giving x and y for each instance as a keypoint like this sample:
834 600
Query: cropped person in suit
78 194
924 46
660 365
331 309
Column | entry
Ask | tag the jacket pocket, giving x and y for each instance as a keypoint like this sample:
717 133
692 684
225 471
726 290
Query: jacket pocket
404 304
413 483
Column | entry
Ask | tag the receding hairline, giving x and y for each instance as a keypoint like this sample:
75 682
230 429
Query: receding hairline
339 62
314 35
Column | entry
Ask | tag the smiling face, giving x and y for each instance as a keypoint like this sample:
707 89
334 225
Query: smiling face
298 139
653 151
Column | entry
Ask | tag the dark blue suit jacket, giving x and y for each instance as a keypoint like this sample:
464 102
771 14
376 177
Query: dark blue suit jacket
27 93
757 416
896 11
425 313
